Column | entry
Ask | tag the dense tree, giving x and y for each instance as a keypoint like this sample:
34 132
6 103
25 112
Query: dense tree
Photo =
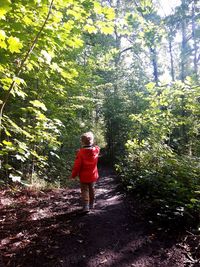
42 73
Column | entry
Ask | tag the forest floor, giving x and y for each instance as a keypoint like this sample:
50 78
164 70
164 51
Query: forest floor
47 229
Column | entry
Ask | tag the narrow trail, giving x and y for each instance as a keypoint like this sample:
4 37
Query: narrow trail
52 232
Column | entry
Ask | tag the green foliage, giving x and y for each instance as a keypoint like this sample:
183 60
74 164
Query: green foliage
44 86
80 65
162 162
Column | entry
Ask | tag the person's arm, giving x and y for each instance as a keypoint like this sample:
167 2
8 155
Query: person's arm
77 165
98 151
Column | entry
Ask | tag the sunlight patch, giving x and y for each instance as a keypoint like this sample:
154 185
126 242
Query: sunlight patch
40 214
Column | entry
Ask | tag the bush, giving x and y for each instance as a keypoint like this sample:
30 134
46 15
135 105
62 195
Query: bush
168 183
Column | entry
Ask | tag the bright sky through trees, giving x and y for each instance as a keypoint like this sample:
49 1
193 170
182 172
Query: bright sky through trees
167 6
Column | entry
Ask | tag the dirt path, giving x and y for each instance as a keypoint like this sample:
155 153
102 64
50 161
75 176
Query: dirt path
48 230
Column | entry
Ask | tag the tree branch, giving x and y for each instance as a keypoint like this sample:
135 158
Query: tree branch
126 49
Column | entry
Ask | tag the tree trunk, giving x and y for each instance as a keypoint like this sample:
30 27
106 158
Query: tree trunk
154 64
171 58
184 43
194 38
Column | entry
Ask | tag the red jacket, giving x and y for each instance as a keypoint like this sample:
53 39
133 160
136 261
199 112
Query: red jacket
85 165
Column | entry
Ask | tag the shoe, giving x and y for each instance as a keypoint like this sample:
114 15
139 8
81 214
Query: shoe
92 206
86 209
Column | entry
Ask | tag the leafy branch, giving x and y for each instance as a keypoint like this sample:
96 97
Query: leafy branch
2 106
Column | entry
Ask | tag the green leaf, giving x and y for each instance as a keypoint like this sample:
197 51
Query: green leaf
19 80
7 143
20 157
22 146
6 83
54 154
15 128
27 21
90 28
109 12
4 8
57 16
2 39
8 166
7 133
194 200
41 117
107 30
14 44
15 178
38 104
19 92
76 42
150 86
97 8
54 66
75 13
68 26
35 154
47 56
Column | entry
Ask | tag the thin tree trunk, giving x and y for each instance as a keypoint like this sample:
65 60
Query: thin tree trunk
96 108
171 59
194 38
183 74
113 129
184 43
154 64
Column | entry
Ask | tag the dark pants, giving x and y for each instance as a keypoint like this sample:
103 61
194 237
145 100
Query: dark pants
87 193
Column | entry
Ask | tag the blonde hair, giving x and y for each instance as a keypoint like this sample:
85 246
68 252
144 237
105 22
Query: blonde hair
87 139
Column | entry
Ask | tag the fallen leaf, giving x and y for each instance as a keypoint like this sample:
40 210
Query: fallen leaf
104 261
5 241
67 232
19 235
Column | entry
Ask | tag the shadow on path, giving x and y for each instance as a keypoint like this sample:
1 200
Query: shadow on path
52 232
